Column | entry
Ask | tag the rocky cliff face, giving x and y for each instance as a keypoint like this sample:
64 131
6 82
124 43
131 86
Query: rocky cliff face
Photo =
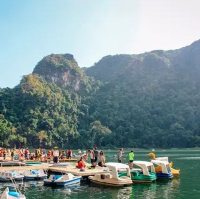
63 70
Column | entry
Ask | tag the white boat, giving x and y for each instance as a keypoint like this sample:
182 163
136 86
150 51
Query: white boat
62 180
10 175
34 174
112 178
165 172
146 173
7 194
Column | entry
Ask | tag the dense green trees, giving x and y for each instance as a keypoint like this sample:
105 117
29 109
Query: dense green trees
146 100
42 113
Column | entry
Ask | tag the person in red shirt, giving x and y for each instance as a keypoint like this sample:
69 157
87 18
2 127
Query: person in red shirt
81 164
69 154
26 153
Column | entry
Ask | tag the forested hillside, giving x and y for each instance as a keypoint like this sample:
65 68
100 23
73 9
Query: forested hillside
146 100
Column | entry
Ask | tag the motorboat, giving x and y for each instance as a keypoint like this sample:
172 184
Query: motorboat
147 173
10 175
165 172
62 180
35 174
112 178
7 194
175 172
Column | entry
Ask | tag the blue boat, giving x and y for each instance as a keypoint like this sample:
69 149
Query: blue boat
6 176
166 170
35 174
62 180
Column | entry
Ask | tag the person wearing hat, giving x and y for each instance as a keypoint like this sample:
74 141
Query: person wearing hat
55 155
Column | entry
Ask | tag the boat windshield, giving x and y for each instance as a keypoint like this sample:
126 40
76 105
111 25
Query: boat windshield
168 168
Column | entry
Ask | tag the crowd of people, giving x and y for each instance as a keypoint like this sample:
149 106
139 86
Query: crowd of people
96 157
38 154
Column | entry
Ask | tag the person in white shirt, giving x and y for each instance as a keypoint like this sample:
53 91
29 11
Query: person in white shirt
55 155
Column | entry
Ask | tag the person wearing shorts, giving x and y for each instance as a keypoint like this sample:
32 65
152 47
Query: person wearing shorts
131 158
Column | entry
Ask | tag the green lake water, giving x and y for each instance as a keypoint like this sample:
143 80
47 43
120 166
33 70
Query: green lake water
187 186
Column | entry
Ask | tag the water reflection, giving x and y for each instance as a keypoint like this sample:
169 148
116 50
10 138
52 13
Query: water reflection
160 189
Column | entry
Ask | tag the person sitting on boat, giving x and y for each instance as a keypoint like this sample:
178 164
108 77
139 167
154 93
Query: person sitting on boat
81 164
55 155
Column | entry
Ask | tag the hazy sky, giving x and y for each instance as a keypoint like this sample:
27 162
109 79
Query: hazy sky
89 29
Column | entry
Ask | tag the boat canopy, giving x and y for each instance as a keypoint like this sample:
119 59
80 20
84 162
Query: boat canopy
7 174
114 167
163 159
164 165
144 165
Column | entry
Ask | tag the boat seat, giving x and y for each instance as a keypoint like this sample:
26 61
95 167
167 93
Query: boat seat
14 194
98 176
56 177
108 176
35 172
134 173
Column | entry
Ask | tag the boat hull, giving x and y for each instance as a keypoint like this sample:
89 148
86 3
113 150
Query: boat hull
111 182
64 183
2 179
138 177
35 177
161 175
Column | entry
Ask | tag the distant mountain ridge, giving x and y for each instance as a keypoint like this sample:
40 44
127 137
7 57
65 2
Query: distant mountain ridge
113 64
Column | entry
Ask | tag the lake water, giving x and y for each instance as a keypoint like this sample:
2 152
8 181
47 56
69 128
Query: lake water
187 186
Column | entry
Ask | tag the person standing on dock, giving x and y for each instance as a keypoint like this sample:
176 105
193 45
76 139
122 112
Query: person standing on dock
91 152
12 154
55 155
131 158
120 155
102 158
96 153
26 154
69 154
